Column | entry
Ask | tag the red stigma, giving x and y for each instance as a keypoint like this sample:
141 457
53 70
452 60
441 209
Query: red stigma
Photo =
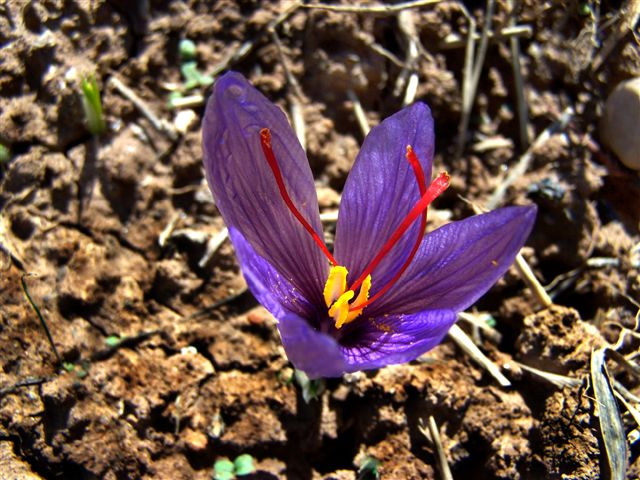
265 142
422 187
427 196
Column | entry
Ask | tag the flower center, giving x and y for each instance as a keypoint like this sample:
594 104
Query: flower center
336 294
337 297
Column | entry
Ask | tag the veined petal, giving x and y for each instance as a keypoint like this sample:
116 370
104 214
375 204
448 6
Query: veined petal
369 344
272 290
313 352
380 190
244 187
391 339
459 262
317 354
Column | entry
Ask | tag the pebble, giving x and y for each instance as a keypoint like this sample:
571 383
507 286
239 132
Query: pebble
185 120
195 441
620 123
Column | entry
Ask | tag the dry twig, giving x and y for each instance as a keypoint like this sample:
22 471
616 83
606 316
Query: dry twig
243 49
358 111
525 160
521 103
608 414
43 322
473 69
431 432
559 381
375 9
213 245
629 19
161 125
453 40
527 275
464 342
297 116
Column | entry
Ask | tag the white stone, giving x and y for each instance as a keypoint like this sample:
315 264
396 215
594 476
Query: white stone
620 123
184 120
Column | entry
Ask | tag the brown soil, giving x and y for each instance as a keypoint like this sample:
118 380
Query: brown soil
200 373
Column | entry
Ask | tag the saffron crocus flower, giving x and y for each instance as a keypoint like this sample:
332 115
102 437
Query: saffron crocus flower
388 292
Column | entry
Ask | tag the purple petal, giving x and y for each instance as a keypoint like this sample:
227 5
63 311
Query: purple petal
380 190
392 339
313 352
274 292
244 187
366 344
457 263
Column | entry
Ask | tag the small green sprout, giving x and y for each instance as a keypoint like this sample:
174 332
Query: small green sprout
187 50
92 105
285 376
225 469
244 464
68 366
193 77
112 340
311 389
173 98
489 320
368 469
5 154
585 9
80 370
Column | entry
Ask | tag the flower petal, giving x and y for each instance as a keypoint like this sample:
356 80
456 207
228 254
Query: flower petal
244 188
273 291
459 262
380 190
368 344
317 354
313 352
392 339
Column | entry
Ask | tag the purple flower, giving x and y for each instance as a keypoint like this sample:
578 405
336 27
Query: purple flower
388 293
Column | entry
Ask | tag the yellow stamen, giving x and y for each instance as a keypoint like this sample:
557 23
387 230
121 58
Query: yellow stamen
336 284
338 298
362 297
340 309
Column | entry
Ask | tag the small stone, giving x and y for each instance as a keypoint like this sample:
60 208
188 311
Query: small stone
256 317
195 441
184 120
327 197
620 123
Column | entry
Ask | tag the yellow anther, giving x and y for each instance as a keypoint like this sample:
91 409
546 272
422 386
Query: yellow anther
336 284
337 297
340 309
363 296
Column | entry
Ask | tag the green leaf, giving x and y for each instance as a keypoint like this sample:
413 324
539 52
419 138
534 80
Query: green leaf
311 389
92 105
244 464
5 153
585 9
369 469
173 96
223 469
112 340
68 366
193 77
187 50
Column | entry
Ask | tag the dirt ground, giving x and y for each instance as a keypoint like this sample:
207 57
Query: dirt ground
170 365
